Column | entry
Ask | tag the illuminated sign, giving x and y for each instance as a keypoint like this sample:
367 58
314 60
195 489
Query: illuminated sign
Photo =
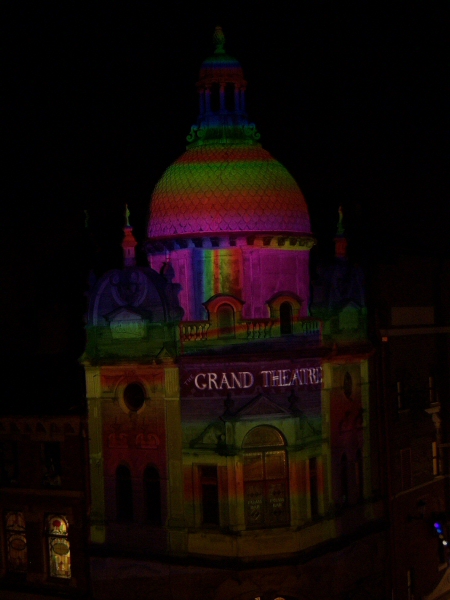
243 379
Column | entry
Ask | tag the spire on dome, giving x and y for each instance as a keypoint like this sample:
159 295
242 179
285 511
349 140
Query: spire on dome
129 242
219 40
221 88
340 241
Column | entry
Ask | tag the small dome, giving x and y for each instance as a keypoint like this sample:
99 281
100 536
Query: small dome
220 67
227 188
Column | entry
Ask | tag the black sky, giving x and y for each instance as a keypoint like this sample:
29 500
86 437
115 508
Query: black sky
99 100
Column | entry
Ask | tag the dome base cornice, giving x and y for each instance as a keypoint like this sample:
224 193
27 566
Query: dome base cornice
280 241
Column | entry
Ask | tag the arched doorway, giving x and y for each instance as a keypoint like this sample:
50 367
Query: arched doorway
152 495
225 321
266 479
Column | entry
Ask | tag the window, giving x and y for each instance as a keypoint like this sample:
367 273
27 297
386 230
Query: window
225 321
359 472
265 478
16 542
152 494
344 479
434 452
58 546
134 397
124 494
348 385
405 466
52 464
9 463
285 318
209 496
313 487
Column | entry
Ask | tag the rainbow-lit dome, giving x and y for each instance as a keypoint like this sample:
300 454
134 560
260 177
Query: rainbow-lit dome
225 183
234 188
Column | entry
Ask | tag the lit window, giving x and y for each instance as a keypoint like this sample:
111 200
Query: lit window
58 546
16 542
265 478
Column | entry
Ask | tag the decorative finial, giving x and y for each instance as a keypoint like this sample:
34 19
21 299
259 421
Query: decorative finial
129 242
219 41
340 241
340 227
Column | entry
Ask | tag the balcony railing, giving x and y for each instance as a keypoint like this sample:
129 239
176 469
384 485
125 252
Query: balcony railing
249 329
194 331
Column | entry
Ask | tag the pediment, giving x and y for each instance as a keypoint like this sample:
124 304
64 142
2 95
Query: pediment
211 437
262 406
163 354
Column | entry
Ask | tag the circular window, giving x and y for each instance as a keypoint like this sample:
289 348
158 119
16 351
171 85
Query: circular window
348 385
134 397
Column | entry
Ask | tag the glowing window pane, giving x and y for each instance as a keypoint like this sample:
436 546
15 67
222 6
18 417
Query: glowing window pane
253 466
58 546
266 484
263 436
275 464
16 542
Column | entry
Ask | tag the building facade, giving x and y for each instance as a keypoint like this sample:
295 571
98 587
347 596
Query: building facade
229 399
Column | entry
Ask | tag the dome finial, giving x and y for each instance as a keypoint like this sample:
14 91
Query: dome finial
129 242
340 241
340 227
219 41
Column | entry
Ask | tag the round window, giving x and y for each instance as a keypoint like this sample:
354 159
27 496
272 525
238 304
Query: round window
134 397
348 385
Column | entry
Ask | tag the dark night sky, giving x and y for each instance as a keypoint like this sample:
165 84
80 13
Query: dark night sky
99 101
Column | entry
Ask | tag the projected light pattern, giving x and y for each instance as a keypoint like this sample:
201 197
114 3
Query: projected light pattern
221 273
227 188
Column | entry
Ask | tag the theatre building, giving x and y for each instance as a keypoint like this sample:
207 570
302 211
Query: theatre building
230 420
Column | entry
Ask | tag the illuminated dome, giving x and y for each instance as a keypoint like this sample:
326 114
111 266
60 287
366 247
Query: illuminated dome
225 183
216 188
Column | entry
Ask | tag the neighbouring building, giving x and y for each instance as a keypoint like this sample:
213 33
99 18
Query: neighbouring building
44 502
411 300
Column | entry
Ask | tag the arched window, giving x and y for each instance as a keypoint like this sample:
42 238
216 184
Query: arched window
359 474
313 487
285 318
58 546
344 479
266 483
225 321
16 542
152 495
124 494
